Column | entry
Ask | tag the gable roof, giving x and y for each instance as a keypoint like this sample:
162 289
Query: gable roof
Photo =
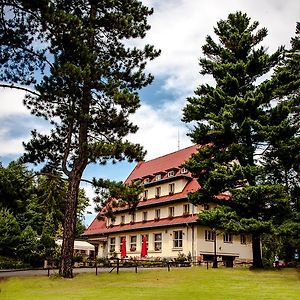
147 168
162 163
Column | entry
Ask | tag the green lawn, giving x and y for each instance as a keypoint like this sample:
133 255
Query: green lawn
180 283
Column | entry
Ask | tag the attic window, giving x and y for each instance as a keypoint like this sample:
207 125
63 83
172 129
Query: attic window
158 177
171 173
183 170
147 180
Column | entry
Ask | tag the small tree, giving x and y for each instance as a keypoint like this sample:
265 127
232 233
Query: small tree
28 247
9 232
233 120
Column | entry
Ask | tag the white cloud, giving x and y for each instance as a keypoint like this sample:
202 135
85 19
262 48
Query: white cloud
10 146
179 29
12 102
157 132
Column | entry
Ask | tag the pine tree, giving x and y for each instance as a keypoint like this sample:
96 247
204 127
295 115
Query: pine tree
232 121
282 158
88 88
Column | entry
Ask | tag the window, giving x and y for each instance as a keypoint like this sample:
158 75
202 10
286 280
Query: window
171 188
171 211
209 235
157 191
227 237
243 238
158 177
132 217
171 173
157 214
145 194
122 219
206 206
147 180
186 209
177 239
145 216
157 242
183 170
112 247
133 243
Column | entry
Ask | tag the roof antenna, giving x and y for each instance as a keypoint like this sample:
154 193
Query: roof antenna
178 135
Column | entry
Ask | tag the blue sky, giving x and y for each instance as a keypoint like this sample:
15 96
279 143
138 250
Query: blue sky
178 28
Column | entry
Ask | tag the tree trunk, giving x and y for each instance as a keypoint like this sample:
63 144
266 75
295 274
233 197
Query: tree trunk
66 262
256 249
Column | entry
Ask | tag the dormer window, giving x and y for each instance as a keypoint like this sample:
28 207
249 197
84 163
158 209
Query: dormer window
171 173
158 177
183 170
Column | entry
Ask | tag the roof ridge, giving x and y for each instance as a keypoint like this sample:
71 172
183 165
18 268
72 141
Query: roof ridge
170 153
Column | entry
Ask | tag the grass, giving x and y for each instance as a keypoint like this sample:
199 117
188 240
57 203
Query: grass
181 283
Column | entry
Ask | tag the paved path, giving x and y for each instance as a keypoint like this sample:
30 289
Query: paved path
45 272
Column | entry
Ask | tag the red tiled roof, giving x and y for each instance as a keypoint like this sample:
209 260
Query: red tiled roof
102 229
99 226
142 169
161 164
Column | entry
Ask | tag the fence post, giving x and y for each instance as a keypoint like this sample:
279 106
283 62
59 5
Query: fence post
96 265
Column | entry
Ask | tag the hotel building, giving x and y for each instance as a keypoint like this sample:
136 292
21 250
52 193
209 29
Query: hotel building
166 218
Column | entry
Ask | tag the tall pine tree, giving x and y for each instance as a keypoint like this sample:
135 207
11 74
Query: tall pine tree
88 88
231 119
282 158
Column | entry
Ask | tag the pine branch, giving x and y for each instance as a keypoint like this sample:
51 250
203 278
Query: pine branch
11 86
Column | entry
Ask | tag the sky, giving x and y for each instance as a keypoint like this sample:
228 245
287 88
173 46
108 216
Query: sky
178 28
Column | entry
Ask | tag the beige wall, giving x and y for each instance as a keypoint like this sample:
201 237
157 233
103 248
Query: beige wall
242 251
165 189
193 241
167 242
164 212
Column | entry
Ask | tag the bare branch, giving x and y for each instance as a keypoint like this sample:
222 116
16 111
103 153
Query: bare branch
11 86
36 174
